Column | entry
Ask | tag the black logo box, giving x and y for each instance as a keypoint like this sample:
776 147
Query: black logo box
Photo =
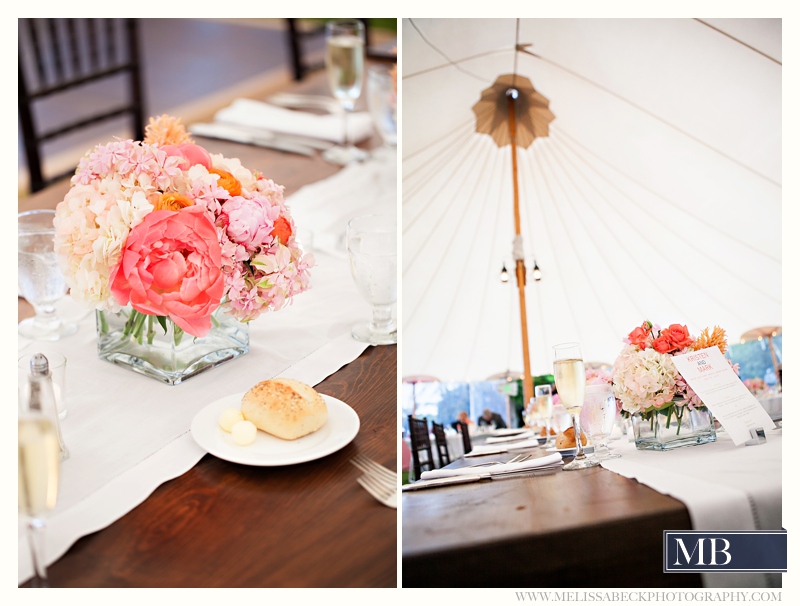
725 551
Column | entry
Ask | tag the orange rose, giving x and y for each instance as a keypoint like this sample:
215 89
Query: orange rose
282 230
638 336
227 181
662 344
678 336
172 201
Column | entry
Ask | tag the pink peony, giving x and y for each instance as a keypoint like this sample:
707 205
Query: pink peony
170 266
190 153
249 222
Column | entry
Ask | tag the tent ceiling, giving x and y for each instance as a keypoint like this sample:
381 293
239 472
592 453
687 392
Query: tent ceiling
657 193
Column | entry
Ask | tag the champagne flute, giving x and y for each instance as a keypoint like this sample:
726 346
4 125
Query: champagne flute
40 279
571 383
598 416
372 248
38 465
344 61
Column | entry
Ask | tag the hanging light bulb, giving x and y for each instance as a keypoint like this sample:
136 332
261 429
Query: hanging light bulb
504 274
537 273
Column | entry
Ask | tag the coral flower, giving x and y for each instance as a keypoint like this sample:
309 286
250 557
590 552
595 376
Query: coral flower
189 153
172 201
282 230
171 267
227 181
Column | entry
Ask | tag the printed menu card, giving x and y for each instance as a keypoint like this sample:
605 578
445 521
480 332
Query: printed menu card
710 375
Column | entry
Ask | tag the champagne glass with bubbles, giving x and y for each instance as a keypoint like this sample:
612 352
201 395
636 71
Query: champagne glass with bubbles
39 277
344 61
372 249
570 378
39 459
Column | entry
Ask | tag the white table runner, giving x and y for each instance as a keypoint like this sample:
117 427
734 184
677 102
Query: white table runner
723 486
127 433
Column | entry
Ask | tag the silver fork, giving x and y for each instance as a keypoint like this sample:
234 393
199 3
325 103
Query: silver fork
380 482
382 492
369 466
518 459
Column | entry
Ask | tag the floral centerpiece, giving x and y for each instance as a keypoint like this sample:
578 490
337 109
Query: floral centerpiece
755 385
161 233
667 413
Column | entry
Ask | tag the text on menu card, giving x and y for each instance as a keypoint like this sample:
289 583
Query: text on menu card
710 375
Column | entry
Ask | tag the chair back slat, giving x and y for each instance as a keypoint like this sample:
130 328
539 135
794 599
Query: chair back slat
420 444
91 36
441 444
111 37
464 429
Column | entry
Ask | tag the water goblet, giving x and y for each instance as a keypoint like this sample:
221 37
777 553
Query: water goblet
544 406
598 416
382 103
344 62
570 378
40 280
372 249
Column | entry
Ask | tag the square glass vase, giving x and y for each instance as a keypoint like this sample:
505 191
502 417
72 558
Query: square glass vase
675 426
138 342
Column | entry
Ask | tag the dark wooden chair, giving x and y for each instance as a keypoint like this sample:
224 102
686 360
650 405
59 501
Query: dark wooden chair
464 429
301 36
57 56
441 444
420 444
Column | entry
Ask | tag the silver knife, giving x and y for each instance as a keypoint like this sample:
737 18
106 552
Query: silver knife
238 135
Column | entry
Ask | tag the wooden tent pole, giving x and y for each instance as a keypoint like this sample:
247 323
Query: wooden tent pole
527 380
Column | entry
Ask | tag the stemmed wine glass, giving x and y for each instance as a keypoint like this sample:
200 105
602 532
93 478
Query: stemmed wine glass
598 417
372 248
344 61
39 278
38 464
571 384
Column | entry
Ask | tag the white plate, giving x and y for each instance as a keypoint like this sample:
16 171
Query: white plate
268 451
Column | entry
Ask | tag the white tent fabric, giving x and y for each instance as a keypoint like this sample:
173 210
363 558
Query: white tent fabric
656 196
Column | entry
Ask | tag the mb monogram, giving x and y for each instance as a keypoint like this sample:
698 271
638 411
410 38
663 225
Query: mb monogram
725 551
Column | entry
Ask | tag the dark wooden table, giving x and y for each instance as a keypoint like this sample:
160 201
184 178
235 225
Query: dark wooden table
228 525
589 528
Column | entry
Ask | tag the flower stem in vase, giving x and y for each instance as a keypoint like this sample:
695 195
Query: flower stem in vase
177 334
103 322
150 330
138 327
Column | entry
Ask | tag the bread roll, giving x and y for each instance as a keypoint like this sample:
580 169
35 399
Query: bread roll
567 438
285 408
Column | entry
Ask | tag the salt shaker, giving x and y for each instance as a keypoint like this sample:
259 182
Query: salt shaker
42 398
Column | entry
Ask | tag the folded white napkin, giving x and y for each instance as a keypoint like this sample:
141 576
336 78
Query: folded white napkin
257 114
487 449
506 431
553 460
525 434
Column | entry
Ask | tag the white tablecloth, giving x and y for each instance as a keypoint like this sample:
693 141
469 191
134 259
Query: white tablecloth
724 487
127 433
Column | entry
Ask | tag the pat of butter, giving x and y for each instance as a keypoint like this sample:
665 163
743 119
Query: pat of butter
229 418
244 433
